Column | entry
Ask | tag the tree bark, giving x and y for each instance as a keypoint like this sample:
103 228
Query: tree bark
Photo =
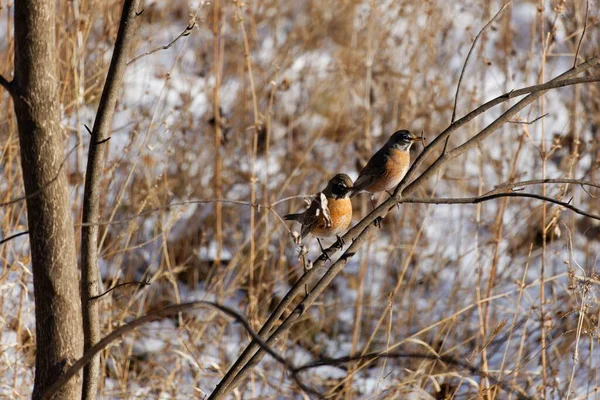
59 333
90 274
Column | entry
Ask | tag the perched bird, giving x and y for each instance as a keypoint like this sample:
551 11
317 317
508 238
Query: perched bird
329 213
387 167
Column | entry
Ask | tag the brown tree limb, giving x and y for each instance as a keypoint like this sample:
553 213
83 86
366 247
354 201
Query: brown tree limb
91 195
7 85
492 196
289 366
157 315
252 354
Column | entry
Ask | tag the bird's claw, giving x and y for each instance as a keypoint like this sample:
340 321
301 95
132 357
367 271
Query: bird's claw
340 242
377 222
323 250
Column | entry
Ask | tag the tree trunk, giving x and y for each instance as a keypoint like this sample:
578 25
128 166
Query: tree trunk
59 334
90 274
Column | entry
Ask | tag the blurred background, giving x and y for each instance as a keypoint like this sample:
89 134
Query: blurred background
262 104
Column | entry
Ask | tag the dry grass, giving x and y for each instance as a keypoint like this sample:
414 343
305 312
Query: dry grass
325 83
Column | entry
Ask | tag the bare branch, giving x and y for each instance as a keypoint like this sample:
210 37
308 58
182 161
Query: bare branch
294 371
186 32
528 122
142 283
462 72
587 9
11 237
488 197
405 188
553 84
45 185
588 193
91 195
7 85
506 186
157 315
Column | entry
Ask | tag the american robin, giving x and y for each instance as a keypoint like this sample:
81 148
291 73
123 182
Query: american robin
329 213
387 167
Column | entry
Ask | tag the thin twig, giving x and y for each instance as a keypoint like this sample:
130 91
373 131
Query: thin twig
505 186
45 185
528 122
588 192
462 72
186 32
587 9
11 237
488 197
142 283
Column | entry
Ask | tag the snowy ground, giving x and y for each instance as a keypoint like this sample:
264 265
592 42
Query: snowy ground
421 284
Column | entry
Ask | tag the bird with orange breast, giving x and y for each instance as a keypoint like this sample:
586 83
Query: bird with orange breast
329 213
387 167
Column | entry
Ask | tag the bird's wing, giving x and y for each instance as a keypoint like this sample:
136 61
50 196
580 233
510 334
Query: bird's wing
374 169
311 216
299 217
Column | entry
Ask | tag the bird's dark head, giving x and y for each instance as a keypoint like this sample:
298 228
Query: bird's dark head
402 140
340 186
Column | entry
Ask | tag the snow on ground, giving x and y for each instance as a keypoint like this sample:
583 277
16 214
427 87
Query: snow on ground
166 105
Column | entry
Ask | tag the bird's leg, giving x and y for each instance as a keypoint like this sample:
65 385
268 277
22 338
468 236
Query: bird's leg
377 222
307 267
340 242
323 250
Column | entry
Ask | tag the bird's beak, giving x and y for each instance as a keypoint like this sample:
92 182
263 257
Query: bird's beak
417 138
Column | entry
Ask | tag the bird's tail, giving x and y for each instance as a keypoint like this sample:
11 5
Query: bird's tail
294 217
